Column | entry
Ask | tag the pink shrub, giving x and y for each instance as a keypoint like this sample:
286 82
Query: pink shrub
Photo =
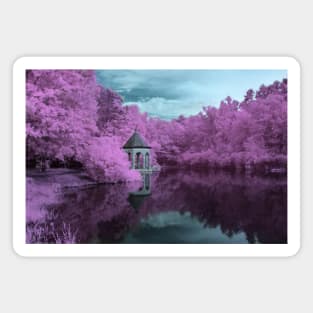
105 161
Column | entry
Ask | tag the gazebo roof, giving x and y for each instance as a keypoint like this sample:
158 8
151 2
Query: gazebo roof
135 141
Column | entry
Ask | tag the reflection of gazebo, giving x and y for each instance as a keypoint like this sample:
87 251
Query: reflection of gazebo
138 152
136 198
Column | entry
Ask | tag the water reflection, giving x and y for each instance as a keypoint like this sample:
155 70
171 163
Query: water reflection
180 207
175 227
137 197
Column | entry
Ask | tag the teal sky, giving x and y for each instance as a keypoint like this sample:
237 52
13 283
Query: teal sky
170 93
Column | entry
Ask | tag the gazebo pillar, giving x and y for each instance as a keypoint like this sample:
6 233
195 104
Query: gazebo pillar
147 160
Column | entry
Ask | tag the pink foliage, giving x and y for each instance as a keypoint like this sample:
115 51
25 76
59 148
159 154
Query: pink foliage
106 162
70 116
61 111
251 132
65 112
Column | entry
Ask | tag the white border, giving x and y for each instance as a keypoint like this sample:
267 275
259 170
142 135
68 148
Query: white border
156 250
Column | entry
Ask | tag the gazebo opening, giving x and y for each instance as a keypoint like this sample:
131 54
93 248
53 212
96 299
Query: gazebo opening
139 161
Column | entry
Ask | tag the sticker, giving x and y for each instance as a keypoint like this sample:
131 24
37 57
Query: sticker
156 156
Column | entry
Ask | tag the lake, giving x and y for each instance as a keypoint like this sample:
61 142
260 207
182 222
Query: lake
178 206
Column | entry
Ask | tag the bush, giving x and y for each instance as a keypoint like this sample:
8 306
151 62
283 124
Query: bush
105 161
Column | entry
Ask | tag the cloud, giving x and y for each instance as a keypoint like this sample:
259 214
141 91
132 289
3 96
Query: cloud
167 108
170 93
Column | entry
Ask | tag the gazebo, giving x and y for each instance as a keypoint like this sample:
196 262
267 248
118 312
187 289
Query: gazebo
138 152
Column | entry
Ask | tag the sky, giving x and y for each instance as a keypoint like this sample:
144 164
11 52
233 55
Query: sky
168 94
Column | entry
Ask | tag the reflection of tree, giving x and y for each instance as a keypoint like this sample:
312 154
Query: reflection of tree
257 206
111 231
97 212
235 203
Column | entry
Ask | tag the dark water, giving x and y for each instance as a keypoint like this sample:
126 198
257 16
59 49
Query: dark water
180 207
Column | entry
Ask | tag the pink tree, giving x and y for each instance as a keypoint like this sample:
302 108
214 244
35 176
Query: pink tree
61 111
